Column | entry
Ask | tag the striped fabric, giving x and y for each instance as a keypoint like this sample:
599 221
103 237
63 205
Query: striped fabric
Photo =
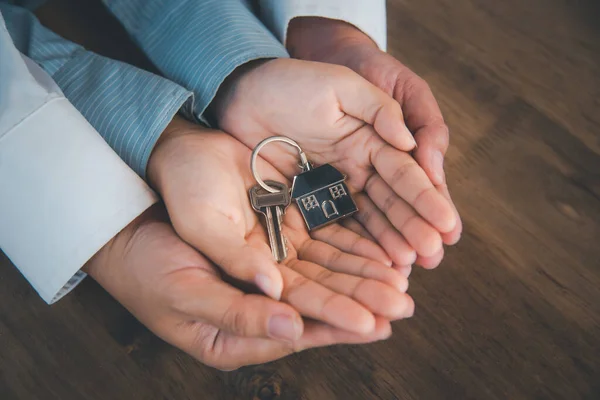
129 107
194 43
197 43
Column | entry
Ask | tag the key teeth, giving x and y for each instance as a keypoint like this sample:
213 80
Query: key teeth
272 206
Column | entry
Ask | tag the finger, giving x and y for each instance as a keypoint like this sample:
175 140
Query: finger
384 232
317 334
314 300
431 262
408 180
249 260
363 100
433 142
324 255
424 118
229 352
377 297
420 235
215 302
356 227
405 270
352 242
453 236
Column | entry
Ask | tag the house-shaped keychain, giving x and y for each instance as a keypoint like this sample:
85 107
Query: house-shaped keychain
322 196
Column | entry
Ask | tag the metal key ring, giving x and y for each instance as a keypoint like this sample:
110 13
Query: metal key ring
262 144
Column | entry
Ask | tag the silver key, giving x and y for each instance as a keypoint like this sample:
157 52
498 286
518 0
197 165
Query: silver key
272 206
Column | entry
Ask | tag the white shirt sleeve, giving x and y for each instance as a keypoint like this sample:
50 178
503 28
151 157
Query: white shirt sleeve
64 193
367 15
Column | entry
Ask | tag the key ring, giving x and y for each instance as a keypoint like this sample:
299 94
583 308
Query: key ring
265 142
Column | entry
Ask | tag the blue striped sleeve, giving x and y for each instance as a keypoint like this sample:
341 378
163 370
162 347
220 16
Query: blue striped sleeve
197 43
129 107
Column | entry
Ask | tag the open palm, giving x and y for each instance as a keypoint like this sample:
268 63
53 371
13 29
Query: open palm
182 297
204 181
338 117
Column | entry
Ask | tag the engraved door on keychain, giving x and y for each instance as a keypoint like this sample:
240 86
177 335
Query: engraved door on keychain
322 196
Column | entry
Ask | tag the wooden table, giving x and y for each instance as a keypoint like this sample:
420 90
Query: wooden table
513 312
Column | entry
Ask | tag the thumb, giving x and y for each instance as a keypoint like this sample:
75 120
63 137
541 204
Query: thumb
214 302
366 102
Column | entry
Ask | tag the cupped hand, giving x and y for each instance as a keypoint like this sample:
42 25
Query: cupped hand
204 177
340 118
182 297
337 42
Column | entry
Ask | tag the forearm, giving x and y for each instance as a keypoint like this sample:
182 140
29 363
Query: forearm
197 43
65 193
129 107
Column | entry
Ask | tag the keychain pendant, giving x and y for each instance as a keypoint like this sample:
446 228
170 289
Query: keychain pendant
321 193
322 196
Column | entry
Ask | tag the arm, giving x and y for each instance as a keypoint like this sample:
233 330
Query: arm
65 193
129 107
197 43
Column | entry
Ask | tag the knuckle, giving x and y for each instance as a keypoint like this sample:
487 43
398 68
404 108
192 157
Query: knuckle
413 84
334 257
364 216
357 241
421 195
370 183
296 284
418 84
327 301
357 288
364 268
234 318
403 170
413 217
324 275
389 203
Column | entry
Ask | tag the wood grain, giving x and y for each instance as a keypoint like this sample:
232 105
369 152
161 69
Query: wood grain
513 312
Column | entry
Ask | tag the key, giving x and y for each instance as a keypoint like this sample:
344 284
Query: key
273 206
321 193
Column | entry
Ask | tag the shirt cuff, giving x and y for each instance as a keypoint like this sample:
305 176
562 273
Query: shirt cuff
128 106
367 15
197 43
65 194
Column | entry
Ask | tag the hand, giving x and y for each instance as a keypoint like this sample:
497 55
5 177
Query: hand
182 298
338 117
336 42
204 177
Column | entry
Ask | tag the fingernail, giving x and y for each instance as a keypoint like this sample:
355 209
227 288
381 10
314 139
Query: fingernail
438 167
283 327
412 137
265 284
405 270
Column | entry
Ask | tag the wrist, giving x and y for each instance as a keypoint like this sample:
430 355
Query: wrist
159 157
112 254
218 107
320 39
